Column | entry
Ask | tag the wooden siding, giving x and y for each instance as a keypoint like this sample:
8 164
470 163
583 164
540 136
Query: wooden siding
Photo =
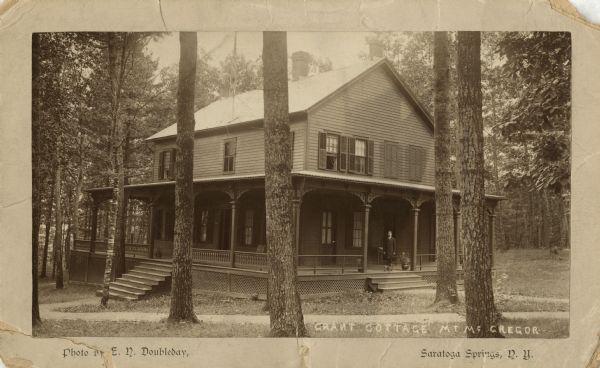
250 157
374 108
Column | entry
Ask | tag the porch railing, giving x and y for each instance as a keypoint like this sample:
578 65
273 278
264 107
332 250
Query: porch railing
250 259
211 256
131 249
425 260
331 261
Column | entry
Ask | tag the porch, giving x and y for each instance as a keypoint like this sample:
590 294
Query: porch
339 225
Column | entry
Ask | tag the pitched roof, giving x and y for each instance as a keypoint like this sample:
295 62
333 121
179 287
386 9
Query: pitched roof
303 94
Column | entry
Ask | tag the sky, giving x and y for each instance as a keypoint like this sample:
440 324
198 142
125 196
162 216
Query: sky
342 48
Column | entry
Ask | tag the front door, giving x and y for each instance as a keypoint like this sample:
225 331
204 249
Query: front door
328 236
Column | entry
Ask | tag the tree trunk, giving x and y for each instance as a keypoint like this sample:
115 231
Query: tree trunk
444 212
284 301
35 176
116 203
57 245
479 295
182 306
48 225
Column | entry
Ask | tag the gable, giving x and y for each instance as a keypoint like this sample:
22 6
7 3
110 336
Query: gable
376 107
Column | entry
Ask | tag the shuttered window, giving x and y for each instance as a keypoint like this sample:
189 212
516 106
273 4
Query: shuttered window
360 156
229 150
329 150
391 160
416 163
166 165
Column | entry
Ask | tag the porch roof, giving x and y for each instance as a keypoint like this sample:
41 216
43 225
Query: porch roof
390 183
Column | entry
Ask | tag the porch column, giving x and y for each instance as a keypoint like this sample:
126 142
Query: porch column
232 235
457 237
491 217
366 238
151 230
297 203
94 227
415 238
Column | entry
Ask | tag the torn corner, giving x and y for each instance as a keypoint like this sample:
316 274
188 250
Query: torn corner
570 9
594 361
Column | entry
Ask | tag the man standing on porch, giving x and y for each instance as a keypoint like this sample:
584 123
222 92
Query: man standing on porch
389 252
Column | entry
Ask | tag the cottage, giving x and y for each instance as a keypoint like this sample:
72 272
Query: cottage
363 164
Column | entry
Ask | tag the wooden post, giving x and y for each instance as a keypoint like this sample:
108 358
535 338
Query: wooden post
151 230
232 236
492 236
366 238
415 238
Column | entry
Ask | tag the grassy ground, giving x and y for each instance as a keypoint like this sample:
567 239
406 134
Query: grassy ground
532 272
355 302
546 328
47 293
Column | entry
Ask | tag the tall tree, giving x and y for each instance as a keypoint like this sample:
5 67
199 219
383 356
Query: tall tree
479 295
116 203
35 175
182 307
446 261
285 309
58 223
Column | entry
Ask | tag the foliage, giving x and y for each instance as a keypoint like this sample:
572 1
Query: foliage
538 116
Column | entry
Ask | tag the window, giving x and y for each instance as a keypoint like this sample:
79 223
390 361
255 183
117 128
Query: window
327 227
229 150
360 156
416 163
248 227
342 153
166 165
357 229
204 226
391 158
332 152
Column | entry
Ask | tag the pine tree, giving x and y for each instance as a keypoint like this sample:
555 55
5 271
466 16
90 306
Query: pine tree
182 307
479 295
446 261
285 309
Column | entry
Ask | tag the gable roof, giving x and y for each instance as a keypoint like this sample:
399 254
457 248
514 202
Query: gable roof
303 95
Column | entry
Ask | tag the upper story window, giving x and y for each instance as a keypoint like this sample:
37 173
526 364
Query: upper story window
332 150
342 153
416 163
358 161
166 166
229 150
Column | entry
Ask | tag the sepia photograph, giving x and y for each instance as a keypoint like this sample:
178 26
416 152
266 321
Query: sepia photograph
301 184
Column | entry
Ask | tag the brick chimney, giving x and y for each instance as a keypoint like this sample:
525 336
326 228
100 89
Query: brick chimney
300 67
375 49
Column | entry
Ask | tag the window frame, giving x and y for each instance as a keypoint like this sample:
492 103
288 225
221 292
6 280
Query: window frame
357 229
229 160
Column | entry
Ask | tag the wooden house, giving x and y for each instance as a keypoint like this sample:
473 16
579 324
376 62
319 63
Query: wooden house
363 163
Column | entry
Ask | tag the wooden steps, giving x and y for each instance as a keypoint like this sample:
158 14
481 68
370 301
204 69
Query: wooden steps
390 281
145 277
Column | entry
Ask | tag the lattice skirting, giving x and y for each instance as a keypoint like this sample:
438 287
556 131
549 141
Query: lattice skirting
246 284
